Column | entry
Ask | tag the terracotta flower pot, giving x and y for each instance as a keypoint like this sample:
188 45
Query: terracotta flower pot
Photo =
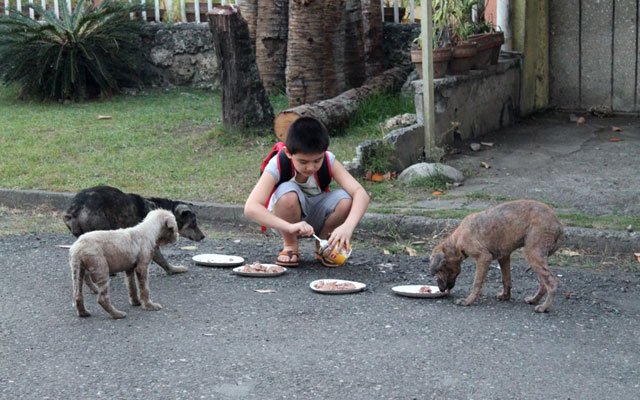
498 40
486 44
463 57
441 59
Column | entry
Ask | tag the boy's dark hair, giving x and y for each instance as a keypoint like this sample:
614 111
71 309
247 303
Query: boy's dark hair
307 135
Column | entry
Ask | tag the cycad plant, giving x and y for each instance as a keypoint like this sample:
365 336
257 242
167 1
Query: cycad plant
88 52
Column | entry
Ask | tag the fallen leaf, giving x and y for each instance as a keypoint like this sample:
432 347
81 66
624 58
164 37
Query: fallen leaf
485 165
637 256
615 139
489 144
616 129
410 251
436 193
385 251
568 252
418 242
103 117
188 248
580 121
264 290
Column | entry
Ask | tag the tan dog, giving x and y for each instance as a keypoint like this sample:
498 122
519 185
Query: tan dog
100 253
494 234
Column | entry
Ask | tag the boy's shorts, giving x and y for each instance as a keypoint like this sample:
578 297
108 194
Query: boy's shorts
315 209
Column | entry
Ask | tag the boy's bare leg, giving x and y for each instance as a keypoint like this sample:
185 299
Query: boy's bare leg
336 218
288 208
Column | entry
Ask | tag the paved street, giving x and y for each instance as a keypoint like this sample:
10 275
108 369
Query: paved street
218 338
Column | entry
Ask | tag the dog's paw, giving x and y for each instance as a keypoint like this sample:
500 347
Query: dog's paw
134 302
503 296
177 269
462 302
152 306
84 314
115 314
541 309
531 300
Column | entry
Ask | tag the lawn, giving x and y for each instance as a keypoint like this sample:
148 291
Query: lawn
171 143
167 143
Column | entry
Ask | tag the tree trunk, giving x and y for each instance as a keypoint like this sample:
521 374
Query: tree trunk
305 52
249 11
271 43
336 112
244 101
373 37
355 72
334 43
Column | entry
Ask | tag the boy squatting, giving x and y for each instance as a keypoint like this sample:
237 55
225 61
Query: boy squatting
300 206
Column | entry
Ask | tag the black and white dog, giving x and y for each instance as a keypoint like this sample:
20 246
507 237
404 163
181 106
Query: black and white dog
108 208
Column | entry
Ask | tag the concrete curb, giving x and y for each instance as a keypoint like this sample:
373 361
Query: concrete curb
387 224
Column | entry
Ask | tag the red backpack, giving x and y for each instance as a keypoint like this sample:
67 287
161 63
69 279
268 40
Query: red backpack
285 167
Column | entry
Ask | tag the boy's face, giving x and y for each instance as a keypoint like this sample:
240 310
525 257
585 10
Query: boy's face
306 164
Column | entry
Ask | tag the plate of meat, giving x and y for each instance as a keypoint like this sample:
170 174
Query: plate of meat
217 260
336 286
260 270
418 291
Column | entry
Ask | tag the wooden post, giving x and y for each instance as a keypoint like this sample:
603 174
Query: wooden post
244 101
430 151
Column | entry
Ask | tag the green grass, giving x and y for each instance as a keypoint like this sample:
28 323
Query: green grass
168 143
171 143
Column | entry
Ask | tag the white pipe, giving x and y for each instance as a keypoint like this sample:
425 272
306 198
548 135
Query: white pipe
504 23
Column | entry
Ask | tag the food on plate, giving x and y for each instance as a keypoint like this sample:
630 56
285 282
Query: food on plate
267 269
425 289
334 285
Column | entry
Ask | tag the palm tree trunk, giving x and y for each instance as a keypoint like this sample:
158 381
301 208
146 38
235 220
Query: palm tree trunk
354 68
373 36
249 11
305 52
271 43
334 44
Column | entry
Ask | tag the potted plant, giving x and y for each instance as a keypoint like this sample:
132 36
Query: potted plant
460 28
488 39
441 57
440 42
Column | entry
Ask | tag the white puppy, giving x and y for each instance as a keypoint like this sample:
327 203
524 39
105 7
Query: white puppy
100 253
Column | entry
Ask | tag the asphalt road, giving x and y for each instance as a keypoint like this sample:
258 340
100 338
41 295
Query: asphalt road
218 338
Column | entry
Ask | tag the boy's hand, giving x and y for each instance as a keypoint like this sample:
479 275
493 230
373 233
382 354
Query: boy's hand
300 229
340 236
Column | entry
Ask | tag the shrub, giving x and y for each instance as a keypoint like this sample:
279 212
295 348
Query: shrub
89 52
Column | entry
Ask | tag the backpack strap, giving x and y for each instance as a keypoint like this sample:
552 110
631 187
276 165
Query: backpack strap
324 175
285 167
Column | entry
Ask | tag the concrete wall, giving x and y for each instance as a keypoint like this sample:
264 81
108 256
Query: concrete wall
466 107
593 54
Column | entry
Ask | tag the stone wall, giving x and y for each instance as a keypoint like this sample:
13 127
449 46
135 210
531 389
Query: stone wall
182 55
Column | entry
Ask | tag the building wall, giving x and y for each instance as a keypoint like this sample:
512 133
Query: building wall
593 54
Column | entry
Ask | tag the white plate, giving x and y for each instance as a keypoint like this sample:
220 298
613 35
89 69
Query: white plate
414 291
218 260
359 286
239 271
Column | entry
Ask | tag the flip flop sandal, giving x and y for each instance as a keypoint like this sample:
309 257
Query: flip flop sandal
325 262
289 254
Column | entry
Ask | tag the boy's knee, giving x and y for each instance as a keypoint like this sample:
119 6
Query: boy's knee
343 207
288 201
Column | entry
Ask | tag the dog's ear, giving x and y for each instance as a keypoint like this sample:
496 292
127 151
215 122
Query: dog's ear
183 210
438 260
